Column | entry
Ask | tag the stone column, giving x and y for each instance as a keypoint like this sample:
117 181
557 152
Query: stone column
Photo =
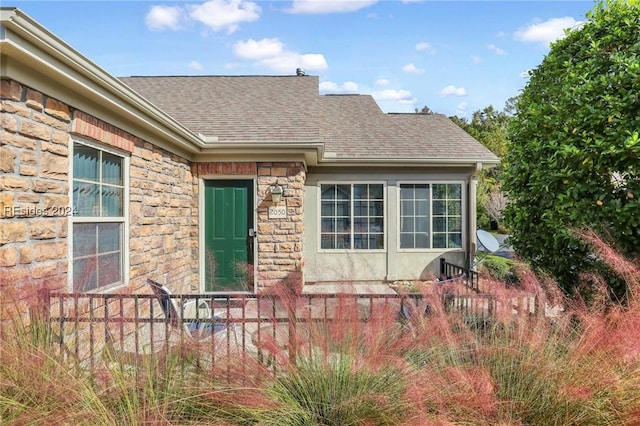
280 259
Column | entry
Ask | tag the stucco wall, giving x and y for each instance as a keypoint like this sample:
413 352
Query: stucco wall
391 263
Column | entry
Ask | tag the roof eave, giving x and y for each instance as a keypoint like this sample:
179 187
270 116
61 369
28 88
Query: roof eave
72 78
409 162
311 152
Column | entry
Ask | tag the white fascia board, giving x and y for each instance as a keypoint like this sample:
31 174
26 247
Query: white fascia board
73 79
407 162
262 151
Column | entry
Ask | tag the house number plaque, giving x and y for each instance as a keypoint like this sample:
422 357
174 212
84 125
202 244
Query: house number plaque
277 212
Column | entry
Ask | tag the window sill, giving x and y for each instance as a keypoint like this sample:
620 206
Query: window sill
431 250
359 251
105 290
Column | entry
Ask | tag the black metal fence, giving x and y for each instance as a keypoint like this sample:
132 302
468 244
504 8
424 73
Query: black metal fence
451 271
91 328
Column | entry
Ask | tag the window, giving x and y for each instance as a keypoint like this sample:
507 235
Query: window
431 215
415 219
352 216
98 221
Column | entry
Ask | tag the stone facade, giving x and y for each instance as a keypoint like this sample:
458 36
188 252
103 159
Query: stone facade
279 241
36 131
162 219
280 257
34 188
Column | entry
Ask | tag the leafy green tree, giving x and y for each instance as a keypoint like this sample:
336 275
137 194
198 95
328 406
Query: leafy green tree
489 127
573 159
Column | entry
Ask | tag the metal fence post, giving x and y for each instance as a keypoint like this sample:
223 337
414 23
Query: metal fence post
291 313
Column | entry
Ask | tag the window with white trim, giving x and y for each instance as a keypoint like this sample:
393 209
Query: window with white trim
430 215
352 216
99 218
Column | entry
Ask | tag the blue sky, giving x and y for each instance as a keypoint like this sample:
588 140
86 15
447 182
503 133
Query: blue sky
454 56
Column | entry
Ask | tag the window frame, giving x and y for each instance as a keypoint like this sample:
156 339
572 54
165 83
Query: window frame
351 183
463 216
124 219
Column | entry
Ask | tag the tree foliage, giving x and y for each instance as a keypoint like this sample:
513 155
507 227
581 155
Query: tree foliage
489 126
573 159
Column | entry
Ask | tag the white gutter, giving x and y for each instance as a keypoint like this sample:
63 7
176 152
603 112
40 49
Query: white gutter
52 60
472 223
404 162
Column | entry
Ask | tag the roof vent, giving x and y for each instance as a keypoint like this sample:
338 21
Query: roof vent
300 72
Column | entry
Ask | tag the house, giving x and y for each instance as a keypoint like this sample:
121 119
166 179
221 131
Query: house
216 183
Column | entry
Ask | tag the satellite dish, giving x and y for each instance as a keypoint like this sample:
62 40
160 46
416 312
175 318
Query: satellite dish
488 241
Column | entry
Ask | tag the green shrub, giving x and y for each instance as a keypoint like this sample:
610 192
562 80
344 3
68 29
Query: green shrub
501 269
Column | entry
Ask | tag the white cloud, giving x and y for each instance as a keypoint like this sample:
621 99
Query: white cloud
256 50
500 34
328 86
328 6
272 53
525 74
401 96
425 46
547 31
218 15
346 87
382 82
477 59
224 14
288 62
410 68
461 109
164 17
195 65
350 86
495 49
453 91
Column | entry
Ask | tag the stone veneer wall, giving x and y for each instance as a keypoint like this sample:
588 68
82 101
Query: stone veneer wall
34 161
280 257
34 164
279 241
163 219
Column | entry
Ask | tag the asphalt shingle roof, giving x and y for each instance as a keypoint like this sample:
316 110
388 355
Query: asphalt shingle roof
289 109
353 126
237 108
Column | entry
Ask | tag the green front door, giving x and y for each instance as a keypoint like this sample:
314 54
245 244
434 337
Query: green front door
228 245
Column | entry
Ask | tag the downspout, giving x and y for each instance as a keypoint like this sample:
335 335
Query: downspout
471 215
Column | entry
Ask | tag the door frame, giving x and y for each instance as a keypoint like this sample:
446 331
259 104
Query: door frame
201 228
